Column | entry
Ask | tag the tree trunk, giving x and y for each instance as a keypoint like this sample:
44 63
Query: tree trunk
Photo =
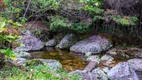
2 59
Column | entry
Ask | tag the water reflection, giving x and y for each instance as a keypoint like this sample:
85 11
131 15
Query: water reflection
68 60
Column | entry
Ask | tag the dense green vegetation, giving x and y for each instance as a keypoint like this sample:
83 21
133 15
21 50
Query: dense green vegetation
77 15
39 72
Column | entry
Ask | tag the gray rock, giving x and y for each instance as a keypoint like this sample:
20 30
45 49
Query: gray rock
95 58
19 61
53 64
94 44
31 43
67 41
51 43
50 49
23 55
85 75
130 52
100 74
27 32
112 52
122 71
138 54
88 54
105 69
136 64
107 58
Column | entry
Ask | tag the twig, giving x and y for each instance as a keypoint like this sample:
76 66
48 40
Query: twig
27 8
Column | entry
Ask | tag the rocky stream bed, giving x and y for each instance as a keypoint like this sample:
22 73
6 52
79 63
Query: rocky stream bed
94 58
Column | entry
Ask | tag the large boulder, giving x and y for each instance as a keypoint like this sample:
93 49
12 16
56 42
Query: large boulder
94 44
136 64
67 41
30 43
122 71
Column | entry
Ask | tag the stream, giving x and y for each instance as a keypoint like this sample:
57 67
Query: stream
69 61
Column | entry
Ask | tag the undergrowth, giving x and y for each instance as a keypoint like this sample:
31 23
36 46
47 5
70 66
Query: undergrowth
40 72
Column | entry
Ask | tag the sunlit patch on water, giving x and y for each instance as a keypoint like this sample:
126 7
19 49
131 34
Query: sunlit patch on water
69 61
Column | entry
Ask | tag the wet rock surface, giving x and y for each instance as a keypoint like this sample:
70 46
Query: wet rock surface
94 44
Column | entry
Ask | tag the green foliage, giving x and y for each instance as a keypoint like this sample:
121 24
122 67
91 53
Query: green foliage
12 11
57 21
61 22
80 27
5 36
40 72
22 19
125 20
39 8
93 6
4 26
51 4
9 54
98 18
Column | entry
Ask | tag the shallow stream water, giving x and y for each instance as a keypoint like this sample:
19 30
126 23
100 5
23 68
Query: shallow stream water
69 61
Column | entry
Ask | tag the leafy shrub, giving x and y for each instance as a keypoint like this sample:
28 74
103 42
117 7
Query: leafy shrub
57 21
6 36
49 9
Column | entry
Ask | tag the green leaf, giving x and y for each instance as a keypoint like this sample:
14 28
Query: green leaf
2 24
